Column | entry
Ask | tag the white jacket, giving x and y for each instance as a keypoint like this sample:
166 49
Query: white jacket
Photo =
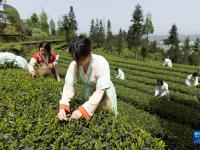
190 81
14 60
162 90
168 63
120 74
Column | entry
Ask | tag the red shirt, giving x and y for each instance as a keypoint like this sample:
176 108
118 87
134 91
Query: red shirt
39 59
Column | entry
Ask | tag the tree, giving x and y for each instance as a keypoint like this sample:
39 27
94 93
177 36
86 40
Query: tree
120 42
196 46
109 46
186 50
144 51
153 47
66 28
29 23
13 15
174 42
38 33
60 27
101 33
135 32
35 20
92 31
44 26
148 26
97 33
2 1
70 25
52 27
72 20
194 58
10 29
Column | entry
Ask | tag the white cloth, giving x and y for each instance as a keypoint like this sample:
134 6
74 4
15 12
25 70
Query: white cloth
168 63
120 74
191 81
162 90
11 59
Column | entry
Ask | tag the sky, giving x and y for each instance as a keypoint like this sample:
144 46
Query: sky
184 13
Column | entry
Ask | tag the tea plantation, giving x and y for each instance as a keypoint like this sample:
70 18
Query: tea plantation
28 109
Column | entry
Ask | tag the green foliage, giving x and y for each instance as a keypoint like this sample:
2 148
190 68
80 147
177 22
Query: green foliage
10 29
29 23
37 32
101 33
194 57
97 33
72 20
135 31
173 40
186 50
148 26
119 43
196 46
92 31
13 15
52 27
175 135
44 26
60 27
28 120
35 20
69 25
109 38
144 51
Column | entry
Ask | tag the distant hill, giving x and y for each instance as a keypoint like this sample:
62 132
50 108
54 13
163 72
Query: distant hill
159 38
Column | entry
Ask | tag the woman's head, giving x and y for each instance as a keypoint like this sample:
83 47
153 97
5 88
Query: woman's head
80 49
160 82
195 74
45 48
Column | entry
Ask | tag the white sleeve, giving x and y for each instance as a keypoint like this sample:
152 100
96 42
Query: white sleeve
68 94
91 105
103 80
196 81
156 91
31 65
70 80
187 81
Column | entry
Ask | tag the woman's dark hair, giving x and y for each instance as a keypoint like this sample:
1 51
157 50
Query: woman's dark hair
80 48
116 68
160 81
46 46
195 74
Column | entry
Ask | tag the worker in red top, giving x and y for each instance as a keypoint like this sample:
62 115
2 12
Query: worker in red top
46 60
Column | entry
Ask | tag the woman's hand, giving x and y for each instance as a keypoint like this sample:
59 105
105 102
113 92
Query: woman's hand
33 74
62 115
50 66
75 115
